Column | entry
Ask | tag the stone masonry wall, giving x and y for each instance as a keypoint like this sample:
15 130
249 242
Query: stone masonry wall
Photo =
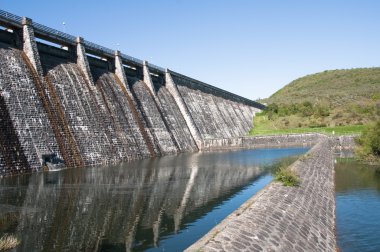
20 97
154 118
63 107
250 142
86 118
281 218
175 121
12 157
215 116
121 116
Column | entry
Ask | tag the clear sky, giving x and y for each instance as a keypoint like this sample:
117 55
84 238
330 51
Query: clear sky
251 48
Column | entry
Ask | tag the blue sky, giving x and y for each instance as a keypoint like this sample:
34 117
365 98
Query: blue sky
251 48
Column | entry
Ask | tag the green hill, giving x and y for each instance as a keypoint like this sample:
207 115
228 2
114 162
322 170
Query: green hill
327 99
335 88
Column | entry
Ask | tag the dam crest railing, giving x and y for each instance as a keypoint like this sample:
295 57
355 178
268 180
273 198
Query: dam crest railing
51 34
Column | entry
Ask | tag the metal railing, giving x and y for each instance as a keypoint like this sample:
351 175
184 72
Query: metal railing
10 17
131 59
64 38
227 94
98 48
50 32
157 68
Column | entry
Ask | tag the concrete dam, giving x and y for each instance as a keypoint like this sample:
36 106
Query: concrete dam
67 102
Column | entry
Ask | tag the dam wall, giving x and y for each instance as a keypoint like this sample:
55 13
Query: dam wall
175 121
214 113
67 102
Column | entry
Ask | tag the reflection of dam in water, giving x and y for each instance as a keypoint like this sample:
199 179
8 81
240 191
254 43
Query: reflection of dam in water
114 208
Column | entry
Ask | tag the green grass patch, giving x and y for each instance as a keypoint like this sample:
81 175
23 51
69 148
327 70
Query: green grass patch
282 171
345 159
287 176
264 126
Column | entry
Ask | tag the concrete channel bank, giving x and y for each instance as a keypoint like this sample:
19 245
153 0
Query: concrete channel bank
280 218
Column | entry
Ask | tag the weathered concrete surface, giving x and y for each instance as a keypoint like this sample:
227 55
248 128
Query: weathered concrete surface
281 218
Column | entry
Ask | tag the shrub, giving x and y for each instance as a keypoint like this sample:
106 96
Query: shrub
376 96
307 109
322 111
337 115
369 142
286 122
273 108
287 176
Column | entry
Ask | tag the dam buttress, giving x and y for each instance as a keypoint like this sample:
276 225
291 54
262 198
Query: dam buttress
67 102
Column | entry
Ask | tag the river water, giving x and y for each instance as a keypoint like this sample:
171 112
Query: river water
358 206
162 204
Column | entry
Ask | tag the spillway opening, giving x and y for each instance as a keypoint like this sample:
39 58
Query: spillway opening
129 67
53 44
132 71
96 56
7 37
7 29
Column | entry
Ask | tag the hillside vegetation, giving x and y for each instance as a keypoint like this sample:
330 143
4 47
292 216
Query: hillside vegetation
330 99
369 143
335 88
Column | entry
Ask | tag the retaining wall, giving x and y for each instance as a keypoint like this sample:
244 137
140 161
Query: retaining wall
280 218
260 142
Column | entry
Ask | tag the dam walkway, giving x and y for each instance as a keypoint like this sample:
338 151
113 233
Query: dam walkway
281 218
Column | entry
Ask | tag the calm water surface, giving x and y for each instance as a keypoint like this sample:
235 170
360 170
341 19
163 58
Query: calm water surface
162 204
358 206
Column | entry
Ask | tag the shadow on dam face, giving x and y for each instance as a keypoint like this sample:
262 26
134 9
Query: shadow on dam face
146 204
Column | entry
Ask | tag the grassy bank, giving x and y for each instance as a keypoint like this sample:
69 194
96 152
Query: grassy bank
264 126
335 88
339 101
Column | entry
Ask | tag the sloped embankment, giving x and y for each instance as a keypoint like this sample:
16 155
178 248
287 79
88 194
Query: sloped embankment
283 218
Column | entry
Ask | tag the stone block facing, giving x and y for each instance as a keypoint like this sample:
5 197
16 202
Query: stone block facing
280 218
214 115
152 114
173 90
62 102
22 99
